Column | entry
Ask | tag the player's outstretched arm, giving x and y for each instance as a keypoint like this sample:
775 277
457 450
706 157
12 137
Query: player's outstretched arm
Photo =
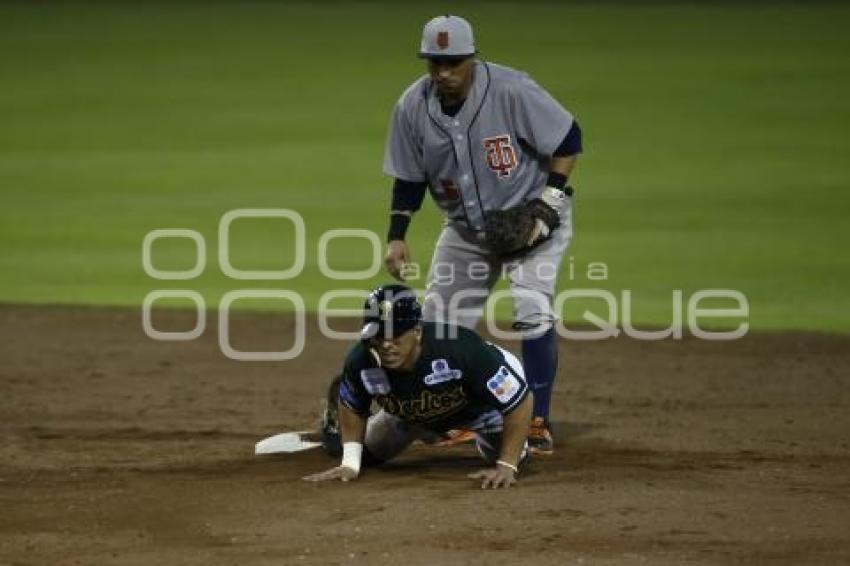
515 431
352 430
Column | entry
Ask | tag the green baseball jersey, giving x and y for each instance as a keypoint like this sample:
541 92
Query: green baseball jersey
459 380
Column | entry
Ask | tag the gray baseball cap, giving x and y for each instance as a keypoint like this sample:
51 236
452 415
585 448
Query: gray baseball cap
448 37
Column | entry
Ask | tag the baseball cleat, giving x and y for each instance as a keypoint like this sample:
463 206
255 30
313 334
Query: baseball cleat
455 437
540 438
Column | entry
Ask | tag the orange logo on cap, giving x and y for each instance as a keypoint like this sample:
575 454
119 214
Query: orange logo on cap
442 39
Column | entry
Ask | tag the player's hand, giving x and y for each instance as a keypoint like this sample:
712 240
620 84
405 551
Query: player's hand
541 231
398 255
500 476
342 473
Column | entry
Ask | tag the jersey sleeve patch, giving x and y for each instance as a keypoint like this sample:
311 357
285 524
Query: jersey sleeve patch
375 381
353 399
503 385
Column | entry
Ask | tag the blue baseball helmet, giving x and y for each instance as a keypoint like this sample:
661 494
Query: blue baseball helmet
389 312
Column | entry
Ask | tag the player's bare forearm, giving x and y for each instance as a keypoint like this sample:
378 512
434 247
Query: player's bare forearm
352 427
515 431
563 164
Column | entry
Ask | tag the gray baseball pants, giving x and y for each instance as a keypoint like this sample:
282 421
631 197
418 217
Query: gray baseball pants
463 273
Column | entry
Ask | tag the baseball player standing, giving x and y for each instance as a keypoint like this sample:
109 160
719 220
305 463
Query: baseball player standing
495 150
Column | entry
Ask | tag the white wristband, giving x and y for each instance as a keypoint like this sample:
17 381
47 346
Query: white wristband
352 454
555 198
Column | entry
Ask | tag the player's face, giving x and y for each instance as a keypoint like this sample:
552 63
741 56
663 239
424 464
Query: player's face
399 352
453 77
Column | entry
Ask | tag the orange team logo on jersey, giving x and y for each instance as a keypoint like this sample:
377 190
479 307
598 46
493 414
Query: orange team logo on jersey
500 155
442 39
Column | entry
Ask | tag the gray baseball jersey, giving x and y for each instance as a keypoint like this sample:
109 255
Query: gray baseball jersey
494 154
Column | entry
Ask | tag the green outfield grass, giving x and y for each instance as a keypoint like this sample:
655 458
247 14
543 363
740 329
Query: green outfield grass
716 144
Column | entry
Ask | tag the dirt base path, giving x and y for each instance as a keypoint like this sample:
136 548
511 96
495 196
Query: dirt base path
117 449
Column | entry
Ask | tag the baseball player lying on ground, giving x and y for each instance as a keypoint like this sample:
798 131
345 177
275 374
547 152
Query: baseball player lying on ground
426 378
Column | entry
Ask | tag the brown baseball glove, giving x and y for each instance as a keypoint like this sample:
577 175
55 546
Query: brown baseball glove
520 228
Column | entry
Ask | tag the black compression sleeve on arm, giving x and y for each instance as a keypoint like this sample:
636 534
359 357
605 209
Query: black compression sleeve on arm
571 144
408 195
407 199
398 227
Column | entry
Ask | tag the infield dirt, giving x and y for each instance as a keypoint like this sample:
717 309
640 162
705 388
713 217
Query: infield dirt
118 449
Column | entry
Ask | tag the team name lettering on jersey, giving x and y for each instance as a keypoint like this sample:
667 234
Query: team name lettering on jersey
503 385
440 372
428 406
500 155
